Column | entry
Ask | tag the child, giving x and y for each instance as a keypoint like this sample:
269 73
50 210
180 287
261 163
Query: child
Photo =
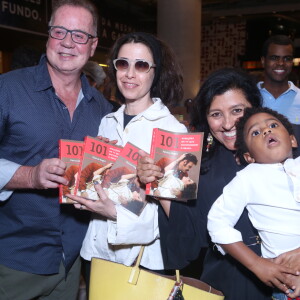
269 188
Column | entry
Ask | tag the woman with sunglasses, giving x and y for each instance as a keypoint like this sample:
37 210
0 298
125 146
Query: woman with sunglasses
147 80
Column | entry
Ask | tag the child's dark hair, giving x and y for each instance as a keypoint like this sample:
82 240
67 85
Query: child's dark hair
240 143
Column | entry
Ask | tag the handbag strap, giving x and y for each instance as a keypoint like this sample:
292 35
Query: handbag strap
135 271
139 258
177 276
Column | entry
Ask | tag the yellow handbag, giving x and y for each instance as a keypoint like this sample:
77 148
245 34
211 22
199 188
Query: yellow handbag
114 281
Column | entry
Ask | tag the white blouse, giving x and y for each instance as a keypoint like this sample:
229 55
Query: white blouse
120 240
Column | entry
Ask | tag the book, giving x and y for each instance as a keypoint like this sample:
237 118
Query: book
70 152
98 157
179 157
121 183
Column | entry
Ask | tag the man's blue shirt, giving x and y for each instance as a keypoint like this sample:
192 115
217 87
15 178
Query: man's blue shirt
35 231
288 103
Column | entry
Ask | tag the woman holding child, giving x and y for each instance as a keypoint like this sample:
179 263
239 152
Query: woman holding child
269 188
220 102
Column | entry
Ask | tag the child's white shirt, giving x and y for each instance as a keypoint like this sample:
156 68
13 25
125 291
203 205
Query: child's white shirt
270 192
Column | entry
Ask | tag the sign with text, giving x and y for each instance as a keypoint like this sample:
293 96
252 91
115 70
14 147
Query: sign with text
25 15
33 16
117 20
110 29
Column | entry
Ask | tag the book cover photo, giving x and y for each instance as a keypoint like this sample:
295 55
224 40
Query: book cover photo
179 157
70 152
121 183
98 157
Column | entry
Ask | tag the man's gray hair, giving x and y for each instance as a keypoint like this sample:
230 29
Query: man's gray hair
87 4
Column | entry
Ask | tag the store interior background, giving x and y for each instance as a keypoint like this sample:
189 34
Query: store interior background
232 32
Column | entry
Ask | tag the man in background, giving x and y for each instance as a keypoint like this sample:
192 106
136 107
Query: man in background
96 76
277 91
94 73
40 240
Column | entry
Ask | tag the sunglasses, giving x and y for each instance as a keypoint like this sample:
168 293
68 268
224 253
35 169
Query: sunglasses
140 65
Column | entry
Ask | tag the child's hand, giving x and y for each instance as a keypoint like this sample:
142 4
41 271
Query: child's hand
290 258
294 286
273 275
295 294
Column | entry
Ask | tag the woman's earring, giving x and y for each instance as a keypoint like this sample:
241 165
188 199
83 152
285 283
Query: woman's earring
209 140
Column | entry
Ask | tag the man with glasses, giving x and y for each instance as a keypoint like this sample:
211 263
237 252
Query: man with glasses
277 91
40 240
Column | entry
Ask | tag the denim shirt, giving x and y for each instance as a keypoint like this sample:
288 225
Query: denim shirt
35 231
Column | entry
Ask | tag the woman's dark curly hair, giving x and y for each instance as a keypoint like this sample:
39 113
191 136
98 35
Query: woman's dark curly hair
216 84
240 143
168 80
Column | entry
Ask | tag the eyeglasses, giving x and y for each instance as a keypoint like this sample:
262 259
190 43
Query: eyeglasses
78 36
276 58
140 65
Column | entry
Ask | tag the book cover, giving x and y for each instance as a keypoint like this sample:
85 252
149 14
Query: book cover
121 183
179 157
70 152
98 157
